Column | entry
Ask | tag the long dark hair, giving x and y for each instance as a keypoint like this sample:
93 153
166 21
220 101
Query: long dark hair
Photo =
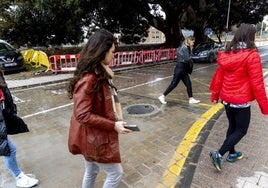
245 34
91 57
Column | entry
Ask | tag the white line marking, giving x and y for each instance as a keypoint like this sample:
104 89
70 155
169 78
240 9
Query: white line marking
48 110
119 76
124 89
17 100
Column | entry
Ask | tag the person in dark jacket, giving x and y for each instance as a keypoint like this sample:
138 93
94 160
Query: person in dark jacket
182 71
10 123
97 112
237 81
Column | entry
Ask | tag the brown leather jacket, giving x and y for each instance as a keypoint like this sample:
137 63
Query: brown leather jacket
94 112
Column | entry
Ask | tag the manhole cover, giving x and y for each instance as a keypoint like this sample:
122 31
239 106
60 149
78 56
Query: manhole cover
141 109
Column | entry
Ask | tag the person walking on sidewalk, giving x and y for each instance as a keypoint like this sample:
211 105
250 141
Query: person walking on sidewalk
182 71
97 112
237 81
10 123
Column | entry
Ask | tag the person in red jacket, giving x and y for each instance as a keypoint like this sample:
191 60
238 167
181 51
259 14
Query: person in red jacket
237 81
97 115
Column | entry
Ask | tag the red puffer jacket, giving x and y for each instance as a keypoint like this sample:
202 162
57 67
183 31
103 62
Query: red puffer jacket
239 79
94 117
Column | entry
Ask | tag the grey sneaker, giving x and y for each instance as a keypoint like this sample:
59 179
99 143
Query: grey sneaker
216 159
234 157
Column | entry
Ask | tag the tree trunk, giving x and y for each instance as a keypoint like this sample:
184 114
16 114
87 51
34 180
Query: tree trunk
173 36
199 35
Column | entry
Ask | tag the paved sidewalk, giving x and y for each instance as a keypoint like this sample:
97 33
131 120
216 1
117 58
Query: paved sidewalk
35 81
52 78
250 172
198 172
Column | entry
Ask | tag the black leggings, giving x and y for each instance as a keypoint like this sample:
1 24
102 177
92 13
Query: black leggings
239 119
180 74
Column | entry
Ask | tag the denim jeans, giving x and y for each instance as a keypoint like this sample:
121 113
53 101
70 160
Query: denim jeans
114 173
11 161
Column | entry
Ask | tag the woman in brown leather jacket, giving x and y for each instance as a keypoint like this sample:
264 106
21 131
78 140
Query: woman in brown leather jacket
97 115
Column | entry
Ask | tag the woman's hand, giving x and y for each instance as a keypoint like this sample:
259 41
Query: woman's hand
119 127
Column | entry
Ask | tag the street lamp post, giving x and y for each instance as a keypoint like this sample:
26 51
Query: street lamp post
227 22
261 29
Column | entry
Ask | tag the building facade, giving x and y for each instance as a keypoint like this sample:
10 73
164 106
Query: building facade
155 36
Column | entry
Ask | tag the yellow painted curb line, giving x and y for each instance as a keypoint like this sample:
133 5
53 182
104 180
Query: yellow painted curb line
170 176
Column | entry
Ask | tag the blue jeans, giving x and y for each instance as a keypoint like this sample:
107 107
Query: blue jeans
11 161
114 173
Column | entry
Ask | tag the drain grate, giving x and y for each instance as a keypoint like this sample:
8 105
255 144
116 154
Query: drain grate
140 110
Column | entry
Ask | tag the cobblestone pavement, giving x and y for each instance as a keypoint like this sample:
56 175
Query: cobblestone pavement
172 149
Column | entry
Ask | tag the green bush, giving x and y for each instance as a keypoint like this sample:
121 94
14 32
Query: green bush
76 50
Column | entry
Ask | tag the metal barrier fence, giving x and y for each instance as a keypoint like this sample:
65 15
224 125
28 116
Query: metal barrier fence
63 63
125 58
68 63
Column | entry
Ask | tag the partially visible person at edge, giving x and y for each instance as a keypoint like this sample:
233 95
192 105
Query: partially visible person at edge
182 71
237 81
7 147
97 111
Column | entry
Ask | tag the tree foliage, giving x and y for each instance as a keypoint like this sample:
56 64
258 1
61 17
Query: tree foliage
50 22
172 16
43 22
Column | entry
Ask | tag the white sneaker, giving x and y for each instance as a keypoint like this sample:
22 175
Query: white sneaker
193 101
162 99
22 180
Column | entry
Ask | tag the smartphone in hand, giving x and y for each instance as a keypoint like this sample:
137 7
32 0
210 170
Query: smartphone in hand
132 127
